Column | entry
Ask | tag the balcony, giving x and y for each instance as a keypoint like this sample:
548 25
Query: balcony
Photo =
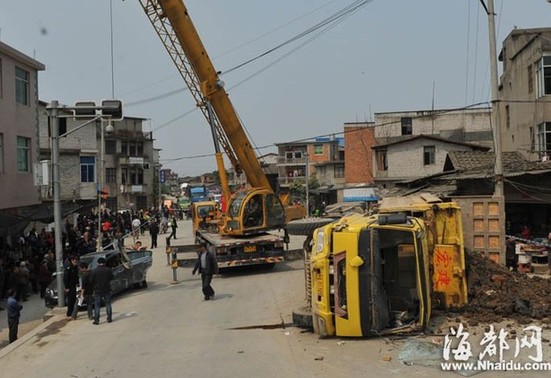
133 188
129 134
131 160
282 161
286 181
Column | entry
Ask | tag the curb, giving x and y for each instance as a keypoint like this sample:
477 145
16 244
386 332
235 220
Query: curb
49 318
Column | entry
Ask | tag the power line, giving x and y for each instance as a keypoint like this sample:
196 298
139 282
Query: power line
343 13
308 139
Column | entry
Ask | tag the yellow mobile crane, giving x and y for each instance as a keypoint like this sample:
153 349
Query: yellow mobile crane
249 213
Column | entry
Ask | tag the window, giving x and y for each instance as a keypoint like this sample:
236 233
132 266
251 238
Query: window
135 149
124 148
544 139
21 86
530 79
298 154
110 175
544 76
1 153
429 155
87 168
318 149
407 125
62 126
382 164
339 171
110 147
132 176
23 154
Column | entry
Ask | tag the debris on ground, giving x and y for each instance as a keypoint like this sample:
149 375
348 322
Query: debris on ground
496 293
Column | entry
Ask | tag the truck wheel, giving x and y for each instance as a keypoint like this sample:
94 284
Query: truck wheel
144 284
306 226
302 317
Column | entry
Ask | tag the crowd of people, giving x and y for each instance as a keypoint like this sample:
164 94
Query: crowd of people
29 260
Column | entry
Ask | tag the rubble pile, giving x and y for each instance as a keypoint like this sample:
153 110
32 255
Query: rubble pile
496 293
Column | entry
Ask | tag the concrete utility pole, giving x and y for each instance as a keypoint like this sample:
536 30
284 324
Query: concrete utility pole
496 120
307 182
53 107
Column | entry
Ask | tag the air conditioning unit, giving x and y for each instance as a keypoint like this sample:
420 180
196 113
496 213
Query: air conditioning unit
42 173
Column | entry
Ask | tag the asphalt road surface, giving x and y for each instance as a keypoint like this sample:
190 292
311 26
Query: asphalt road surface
168 330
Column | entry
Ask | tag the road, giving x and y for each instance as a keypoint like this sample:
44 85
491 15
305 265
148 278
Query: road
168 330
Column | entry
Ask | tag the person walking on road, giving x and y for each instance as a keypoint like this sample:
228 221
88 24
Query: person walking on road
174 226
207 266
154 232
101 278
14 312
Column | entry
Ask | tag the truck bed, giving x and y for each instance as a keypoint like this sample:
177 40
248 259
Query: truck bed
264 248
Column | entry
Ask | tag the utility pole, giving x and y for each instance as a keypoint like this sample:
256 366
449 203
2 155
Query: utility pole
496 121
307 182
53 107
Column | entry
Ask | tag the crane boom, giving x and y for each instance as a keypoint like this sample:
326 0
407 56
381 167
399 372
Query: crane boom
172 23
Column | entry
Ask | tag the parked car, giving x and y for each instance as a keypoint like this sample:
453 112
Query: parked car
129 268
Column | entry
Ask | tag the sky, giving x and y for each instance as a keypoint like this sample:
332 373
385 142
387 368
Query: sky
390 55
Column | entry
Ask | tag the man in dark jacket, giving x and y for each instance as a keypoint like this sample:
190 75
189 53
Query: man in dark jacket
207 266
101 278
70 280
14 312
154 231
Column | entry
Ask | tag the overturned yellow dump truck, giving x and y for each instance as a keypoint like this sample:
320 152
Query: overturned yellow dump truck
383 273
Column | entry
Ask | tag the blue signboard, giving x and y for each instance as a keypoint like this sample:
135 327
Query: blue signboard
162 177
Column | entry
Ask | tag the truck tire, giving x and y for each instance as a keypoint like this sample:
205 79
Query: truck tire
306 226
302 317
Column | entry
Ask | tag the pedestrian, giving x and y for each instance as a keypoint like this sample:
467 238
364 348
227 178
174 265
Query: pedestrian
174 226
22 276
14 312
86 290
154 232
101 278
44 277
207 266
71 281
136 228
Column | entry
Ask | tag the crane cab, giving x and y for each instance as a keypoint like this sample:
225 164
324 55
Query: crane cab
254 211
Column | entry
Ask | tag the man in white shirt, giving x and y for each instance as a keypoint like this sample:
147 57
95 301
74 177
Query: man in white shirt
136 228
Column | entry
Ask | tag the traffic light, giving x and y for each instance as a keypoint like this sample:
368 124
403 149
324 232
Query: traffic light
85 108
113 109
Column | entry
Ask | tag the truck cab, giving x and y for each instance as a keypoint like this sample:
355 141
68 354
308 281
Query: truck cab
383 273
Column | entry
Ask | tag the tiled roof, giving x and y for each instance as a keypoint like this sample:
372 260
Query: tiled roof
478 161
430 137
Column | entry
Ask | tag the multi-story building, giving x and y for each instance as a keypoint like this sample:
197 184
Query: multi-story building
524 91
18 137
299 160
130 166
414 144
130 162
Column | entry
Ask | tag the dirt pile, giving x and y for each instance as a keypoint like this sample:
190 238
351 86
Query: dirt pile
496 293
